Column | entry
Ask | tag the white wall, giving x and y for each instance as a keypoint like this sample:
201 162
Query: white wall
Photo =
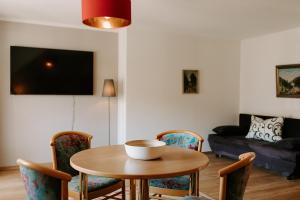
150 97
28 122
122 86
259 56
154 100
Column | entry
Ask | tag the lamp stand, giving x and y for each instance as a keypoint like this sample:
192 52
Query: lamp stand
109 121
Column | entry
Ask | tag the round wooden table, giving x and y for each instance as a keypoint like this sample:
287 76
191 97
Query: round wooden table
112 161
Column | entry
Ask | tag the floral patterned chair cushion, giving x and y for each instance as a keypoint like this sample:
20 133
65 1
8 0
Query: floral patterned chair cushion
176 183
94 183
66 146
183 140
39 185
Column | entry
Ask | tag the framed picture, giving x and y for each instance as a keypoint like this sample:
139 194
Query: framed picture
288 81
190 81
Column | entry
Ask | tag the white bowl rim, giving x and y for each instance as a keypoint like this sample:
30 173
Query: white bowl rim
159 143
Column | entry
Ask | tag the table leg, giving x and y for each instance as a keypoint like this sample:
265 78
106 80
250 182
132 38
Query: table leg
132 189
197 183
82 186
144 189
140 190
124 190
193 184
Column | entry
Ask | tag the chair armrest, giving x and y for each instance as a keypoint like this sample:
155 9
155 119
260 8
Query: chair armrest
228 130
289 143
45 170
245 159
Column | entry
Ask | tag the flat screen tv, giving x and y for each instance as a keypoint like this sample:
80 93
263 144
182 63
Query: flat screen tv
50 71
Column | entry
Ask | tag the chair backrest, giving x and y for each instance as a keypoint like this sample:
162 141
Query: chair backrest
66 144
42 182
182 138
234 178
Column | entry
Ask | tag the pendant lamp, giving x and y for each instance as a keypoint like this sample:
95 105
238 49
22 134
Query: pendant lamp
106 14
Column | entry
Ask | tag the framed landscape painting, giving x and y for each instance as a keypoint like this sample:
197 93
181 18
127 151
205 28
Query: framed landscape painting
190 81
288 81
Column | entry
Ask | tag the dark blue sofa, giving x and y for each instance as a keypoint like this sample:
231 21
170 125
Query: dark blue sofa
282 156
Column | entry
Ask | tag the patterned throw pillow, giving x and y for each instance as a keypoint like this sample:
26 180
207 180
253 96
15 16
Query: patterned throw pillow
269 130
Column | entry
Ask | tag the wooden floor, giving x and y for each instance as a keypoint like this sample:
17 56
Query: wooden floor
262 184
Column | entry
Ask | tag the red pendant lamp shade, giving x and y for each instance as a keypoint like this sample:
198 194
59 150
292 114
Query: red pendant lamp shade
106 13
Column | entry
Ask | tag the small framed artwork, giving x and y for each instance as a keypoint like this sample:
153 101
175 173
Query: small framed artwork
288 81
190 81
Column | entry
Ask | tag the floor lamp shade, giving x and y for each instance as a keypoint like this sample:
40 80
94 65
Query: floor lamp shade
106 14
109 89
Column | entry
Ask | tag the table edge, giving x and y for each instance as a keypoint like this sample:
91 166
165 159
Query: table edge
124 176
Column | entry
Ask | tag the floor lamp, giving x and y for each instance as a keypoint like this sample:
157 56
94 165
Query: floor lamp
109 90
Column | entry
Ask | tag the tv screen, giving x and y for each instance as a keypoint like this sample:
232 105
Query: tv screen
50 71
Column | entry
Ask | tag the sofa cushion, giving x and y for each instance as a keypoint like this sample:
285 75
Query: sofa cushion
230 141
268 130
227 130
245 121
221 145
289 143
227 139
291 128
270 150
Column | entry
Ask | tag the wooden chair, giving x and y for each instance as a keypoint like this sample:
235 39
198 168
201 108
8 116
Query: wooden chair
180 185
42 182
66 144
233 179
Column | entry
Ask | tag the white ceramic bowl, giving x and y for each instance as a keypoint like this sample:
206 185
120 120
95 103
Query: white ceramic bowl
144 149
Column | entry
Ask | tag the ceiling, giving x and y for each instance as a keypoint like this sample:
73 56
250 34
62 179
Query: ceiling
231 19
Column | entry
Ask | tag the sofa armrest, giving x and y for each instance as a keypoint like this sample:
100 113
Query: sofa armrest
292 143
228 130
